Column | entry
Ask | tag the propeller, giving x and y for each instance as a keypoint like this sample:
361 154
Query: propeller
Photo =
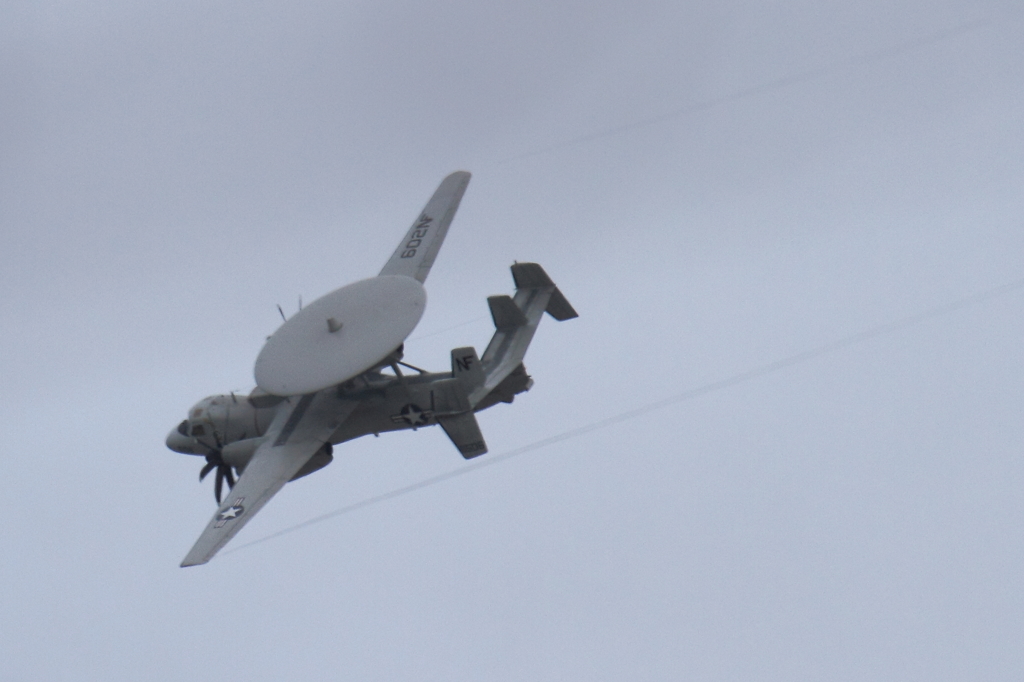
215 460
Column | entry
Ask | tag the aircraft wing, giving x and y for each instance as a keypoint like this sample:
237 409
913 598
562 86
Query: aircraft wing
416 253
298 431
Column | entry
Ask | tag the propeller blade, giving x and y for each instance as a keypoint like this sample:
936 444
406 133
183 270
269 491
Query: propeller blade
219 484
206 469
230 477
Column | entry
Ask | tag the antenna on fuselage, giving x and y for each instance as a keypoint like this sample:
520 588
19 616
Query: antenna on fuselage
282 312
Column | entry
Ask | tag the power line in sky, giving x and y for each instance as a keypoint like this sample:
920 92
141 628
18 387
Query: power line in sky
770 86
690 394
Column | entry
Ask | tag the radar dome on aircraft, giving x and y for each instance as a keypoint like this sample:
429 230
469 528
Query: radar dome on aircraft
340 335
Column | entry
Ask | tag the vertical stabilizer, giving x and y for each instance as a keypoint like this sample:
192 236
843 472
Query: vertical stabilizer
466 368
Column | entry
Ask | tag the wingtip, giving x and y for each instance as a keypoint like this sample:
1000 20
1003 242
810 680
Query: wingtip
461 177
194 558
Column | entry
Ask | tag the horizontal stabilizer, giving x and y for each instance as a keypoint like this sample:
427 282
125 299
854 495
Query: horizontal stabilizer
465 434
449 396
505 312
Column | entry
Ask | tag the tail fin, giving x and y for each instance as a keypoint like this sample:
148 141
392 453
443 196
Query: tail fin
466 368
516 319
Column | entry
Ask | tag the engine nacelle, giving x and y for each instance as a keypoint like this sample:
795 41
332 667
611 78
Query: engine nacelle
323 457
239 453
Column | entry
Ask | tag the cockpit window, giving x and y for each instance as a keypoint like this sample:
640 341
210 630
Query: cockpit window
198 430
183 427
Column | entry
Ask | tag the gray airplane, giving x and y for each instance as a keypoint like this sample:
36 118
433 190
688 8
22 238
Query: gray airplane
320 380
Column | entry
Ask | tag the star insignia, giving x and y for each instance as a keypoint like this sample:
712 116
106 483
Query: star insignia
412 414
231 513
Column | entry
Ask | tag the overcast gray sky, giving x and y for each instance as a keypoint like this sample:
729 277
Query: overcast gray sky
715 186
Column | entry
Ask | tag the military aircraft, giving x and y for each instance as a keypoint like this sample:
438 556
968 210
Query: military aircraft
319 378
